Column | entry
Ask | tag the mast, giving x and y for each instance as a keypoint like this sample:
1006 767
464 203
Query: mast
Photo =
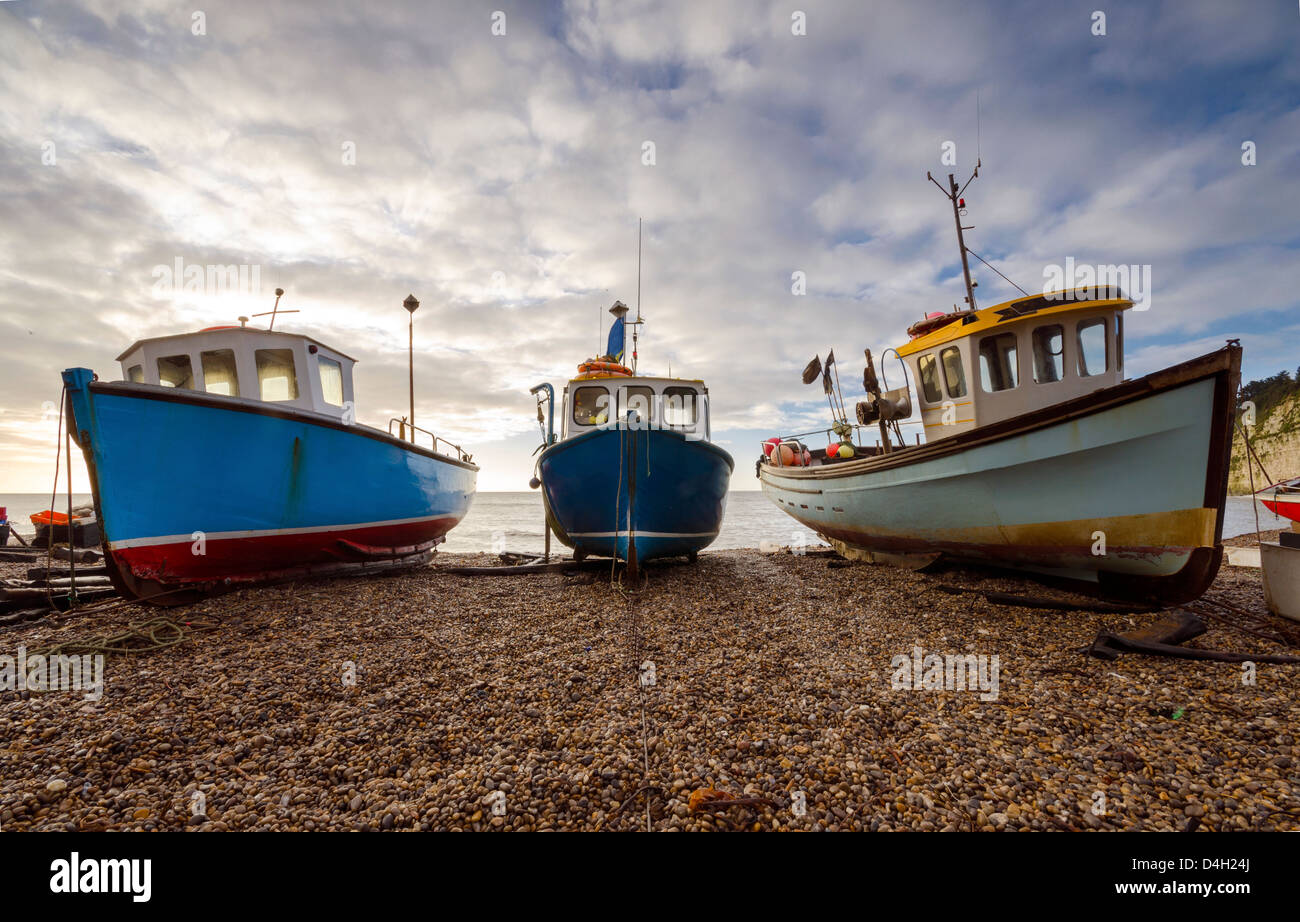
954 194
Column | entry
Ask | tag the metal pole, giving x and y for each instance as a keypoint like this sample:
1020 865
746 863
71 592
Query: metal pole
411 304
410 364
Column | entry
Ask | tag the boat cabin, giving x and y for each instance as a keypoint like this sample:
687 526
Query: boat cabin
679 404
286 369
973 368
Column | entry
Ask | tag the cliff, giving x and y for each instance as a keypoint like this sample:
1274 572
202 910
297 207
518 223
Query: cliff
1275 435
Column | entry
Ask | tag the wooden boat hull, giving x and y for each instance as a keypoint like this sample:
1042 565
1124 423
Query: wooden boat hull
677 488
1122 489
198 493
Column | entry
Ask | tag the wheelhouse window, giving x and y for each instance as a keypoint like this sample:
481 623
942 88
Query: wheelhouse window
135 374
638 399
176 371
1094 355
680 406
331 380
591 406
276 379
219 376
999 363
1049 353
1119 343
929 374
953 374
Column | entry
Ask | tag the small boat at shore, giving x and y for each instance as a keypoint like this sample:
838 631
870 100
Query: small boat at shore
633 474
1038 455
231 456
1282 499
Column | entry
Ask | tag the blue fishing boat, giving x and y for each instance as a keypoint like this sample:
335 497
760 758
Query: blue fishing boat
1038 455
232 455
633 474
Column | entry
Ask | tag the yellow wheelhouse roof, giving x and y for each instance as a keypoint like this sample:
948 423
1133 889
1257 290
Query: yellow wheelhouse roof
968 323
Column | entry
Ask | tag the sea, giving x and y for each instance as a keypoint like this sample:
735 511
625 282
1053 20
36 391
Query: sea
513 521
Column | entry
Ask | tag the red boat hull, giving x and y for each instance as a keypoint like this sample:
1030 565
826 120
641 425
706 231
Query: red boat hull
1290 508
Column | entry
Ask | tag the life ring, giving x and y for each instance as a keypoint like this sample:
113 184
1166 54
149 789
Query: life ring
607 368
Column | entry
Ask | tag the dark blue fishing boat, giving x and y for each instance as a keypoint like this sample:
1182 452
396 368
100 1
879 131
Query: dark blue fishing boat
633 474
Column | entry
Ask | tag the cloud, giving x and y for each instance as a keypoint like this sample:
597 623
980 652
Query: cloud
500 179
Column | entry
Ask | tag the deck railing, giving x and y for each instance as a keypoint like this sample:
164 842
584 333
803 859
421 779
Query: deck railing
403 427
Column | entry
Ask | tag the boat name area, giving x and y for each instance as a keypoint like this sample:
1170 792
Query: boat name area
1070 281
923 671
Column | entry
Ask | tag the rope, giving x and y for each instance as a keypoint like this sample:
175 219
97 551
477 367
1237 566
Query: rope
54 491
995 269
144 637
1250 471
1251 450
618 491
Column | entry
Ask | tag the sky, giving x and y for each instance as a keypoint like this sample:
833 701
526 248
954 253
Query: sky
494 159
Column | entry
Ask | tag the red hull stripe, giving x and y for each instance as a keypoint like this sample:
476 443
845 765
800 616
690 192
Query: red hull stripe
251 557
342 530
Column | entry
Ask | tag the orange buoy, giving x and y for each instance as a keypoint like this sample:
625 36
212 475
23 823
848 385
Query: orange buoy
605 368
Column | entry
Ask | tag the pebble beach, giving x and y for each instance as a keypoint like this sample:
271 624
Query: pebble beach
749 691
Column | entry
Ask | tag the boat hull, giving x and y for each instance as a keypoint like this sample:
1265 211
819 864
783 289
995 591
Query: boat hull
197 493
1287 505
1122 489
678 491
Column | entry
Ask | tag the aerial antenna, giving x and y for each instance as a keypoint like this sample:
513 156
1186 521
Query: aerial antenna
274 310
977 125
636 328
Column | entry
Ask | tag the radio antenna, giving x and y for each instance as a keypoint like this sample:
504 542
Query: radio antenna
636 328
275 310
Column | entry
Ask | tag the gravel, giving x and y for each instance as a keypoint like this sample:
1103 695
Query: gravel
425 700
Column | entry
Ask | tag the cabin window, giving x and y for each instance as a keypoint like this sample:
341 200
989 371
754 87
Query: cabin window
953 375
175 371
275 375
679 406
591 406
1093 357
331 380
135 374
640 399
219 375
1119 345
1049 353
999 363
929 375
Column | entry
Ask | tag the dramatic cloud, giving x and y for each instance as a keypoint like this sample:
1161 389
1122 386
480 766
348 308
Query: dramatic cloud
358 152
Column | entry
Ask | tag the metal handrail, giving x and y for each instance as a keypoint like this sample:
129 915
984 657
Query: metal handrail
435 441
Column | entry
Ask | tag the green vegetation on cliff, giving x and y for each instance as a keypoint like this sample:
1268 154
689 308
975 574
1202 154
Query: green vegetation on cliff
1275 404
